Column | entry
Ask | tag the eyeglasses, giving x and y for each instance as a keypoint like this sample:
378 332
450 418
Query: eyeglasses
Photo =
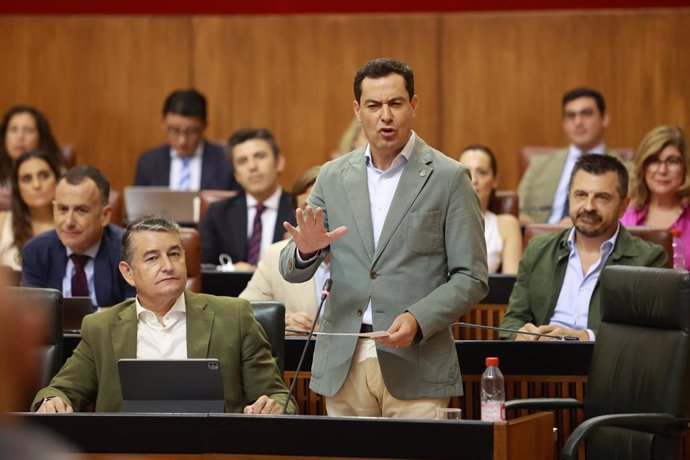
671 163
176 131
584 113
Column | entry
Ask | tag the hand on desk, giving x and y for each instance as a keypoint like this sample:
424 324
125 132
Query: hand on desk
55 404
549 329
402 331
299 320
264 405
244 267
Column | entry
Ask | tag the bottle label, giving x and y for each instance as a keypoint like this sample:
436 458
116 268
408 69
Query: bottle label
493 411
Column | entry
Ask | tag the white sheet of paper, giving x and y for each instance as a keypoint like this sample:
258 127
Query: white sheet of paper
368 335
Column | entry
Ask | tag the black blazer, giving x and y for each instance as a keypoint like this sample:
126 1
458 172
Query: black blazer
224 227
153 168
44 261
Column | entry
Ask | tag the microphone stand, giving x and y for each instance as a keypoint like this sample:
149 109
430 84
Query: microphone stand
324 294
567 338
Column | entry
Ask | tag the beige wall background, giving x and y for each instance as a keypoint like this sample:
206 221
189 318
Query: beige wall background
495 78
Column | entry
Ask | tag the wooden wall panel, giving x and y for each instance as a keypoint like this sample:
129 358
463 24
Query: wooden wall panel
495 77
508 72
294 74
100 80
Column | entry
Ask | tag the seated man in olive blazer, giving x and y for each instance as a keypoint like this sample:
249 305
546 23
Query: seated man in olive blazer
193 326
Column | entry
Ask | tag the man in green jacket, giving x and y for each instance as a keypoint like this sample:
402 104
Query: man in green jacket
557 286
166 322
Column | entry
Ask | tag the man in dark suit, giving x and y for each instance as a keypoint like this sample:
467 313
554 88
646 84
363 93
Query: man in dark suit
245 225
167 322
187 161
81 256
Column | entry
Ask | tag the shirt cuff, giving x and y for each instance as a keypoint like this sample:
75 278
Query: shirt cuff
301 263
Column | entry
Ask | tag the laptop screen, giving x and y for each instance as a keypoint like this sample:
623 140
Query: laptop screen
171 386
74 309
178 205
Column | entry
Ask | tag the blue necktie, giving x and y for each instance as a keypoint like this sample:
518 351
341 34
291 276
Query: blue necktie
185 175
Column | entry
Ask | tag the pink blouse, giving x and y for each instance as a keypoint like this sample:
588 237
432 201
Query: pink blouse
635 217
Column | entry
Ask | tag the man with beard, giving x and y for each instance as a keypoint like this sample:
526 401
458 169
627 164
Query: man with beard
557 287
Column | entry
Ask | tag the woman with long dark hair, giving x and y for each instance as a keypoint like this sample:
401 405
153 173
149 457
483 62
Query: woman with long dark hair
23 129
34 178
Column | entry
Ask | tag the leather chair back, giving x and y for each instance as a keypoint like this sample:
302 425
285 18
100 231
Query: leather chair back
641 360
51 301
530 151
660 236
115 202
271 316
191 242
505 202
208 197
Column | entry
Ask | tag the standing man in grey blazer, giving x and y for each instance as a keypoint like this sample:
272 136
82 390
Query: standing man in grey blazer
404 230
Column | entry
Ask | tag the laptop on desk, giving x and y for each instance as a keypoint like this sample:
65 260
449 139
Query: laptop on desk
171 386
73 310
182 206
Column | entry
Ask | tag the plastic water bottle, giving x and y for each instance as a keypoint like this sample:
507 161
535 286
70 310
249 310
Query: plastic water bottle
493 392
678 250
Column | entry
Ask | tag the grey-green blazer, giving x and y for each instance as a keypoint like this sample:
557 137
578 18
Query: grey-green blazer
430 260
217 327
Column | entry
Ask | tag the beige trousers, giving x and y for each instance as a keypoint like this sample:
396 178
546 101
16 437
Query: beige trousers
364 392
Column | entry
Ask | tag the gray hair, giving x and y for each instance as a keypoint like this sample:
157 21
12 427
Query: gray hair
146 224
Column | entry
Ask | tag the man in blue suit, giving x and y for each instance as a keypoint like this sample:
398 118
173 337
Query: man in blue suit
81 256
187 161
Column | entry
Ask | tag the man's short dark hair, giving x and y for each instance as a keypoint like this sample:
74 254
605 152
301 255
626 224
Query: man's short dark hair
382 67
186 102
146 224
585 92
601 164
78 174
247 134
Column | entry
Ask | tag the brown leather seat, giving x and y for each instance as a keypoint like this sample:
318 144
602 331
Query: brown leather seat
191 242
660 236
207 197
69 155
527 152
505 202
115 201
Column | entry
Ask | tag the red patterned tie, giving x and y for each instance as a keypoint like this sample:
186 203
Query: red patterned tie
80 288
254 244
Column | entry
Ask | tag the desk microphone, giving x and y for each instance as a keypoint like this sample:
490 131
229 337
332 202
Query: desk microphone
324 294
567 338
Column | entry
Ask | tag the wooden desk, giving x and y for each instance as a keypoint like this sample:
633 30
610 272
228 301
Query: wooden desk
226 436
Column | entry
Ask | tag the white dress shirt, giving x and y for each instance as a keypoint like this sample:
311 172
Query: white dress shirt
194 168
89 269
162 341
562 190
382 186
268 218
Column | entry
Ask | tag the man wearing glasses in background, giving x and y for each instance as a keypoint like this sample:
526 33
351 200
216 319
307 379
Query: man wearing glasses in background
187 161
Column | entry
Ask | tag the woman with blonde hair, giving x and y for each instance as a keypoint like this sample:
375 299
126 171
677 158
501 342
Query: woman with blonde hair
660 184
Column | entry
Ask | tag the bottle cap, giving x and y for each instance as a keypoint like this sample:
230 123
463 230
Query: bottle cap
492 361
675 232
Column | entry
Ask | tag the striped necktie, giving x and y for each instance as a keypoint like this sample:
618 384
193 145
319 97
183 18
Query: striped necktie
185 174
254 244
